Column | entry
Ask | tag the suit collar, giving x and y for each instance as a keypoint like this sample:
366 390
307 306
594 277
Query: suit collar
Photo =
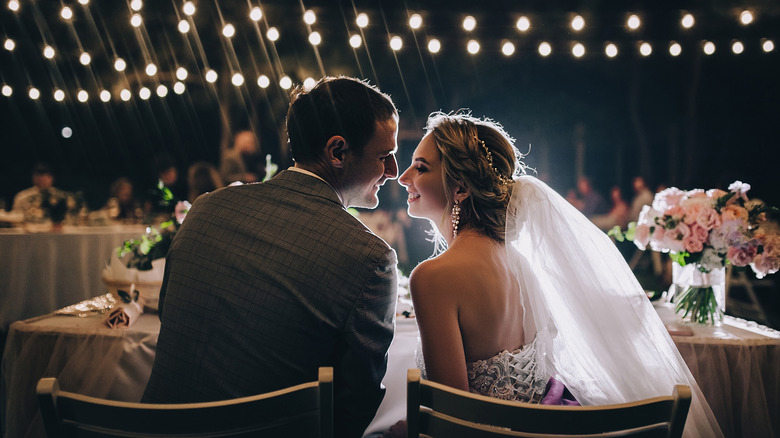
307 184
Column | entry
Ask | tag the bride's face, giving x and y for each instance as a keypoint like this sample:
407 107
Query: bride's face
423 182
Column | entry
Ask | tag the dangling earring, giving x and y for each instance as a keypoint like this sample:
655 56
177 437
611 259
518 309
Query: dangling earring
455 218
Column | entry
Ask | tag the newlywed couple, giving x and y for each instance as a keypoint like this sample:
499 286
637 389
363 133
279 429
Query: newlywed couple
266 282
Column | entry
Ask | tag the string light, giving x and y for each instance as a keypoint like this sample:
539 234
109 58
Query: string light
237 79
263 81
48 52
211 76
136 20
645 49
82 96
179 88
355 41
105 95
396 43
315 39
9 44
59 95
611 50
135 5
181 73
687 21
523 24
309 83
120 64
545 49
13 5
228 31
434 45
84 58
162 90
189 8
469 23
675 49
767 45
746 17
285 82
272 34
577 23
508 49
362 20
145 93
415 21
473 47
633 22
7 90
66 13
151 69
34 93
309 17
737 47
66 132
84 2
578 50
256 14
709 47
183 26
125 94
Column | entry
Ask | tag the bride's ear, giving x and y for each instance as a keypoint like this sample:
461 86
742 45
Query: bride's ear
460 192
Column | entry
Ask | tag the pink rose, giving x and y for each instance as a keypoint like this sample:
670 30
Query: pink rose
699 233
716 193
642 236
741 255
675 211
708 218
692 244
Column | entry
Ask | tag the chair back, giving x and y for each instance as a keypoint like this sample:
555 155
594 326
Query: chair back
302 410
436 410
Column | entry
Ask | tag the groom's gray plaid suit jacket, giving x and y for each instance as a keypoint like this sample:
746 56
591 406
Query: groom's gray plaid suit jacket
265 283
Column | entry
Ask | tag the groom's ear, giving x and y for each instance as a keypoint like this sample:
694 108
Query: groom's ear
335 150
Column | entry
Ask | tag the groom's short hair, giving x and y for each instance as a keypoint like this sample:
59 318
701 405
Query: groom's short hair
335 106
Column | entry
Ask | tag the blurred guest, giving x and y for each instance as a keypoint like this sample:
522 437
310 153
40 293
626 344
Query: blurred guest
167 189
239 162
202 177
618 213
122 205
592 203
42 200
642 196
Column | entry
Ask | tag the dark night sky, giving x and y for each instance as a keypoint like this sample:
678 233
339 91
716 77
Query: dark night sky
690 121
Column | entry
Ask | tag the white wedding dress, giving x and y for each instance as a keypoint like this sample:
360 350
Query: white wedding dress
591 325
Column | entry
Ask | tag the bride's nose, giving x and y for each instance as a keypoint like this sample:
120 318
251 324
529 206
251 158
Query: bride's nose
404 178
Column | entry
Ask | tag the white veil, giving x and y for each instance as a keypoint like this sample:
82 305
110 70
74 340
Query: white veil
596 330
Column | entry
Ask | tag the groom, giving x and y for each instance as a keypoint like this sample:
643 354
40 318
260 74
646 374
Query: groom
264 283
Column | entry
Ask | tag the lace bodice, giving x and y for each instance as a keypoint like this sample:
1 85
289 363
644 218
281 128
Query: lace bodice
508 375
514 375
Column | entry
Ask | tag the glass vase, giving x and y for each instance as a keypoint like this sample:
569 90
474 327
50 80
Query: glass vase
699 296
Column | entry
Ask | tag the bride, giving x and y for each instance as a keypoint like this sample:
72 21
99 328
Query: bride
524 290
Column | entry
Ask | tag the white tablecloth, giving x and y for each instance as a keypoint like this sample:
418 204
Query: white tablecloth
737 367
42 272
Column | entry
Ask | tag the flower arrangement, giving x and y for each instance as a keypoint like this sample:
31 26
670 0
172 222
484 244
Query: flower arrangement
707 230
710 229
154 243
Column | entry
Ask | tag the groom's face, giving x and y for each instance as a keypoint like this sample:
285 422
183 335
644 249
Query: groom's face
366 171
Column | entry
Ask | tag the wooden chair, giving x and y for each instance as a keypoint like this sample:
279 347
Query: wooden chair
302 410
436 410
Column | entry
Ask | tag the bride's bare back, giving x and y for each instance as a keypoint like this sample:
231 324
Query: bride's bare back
468 307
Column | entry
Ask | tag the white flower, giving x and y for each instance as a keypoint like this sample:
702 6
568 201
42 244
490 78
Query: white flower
710 259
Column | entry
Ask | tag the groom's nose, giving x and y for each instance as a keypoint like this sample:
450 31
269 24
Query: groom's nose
391 167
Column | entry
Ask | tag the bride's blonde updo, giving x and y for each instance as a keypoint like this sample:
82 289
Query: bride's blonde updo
480 155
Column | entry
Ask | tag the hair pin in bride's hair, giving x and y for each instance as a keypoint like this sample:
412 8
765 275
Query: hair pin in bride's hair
504 180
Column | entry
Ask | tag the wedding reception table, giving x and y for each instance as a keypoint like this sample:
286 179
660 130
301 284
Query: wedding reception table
42 272
737 367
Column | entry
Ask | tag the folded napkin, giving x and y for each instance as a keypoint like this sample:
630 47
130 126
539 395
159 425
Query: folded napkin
124 314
